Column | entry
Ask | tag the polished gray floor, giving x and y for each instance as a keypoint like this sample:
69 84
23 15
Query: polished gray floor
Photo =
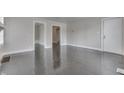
19 64
78 61
68 61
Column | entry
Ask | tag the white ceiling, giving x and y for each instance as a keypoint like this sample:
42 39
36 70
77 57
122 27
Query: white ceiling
66 19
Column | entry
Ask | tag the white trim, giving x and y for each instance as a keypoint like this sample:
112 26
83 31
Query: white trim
18 52
98 49
47 47
51 47
59 25
37 42
113 53
85 47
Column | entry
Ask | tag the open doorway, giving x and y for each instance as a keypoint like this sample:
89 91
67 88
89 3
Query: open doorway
39 37
39 47
56 46
56 36
39 33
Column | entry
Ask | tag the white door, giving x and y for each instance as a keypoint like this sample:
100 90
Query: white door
113 35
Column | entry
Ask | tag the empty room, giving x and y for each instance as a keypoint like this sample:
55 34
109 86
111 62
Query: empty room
61 45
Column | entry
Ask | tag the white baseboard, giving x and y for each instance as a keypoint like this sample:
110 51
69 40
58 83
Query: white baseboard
14 52
37 42
17 52
98 49
47 47
114 53
51 46
85 47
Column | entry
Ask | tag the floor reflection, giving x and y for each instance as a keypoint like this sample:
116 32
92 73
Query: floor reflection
68 61
39 59
76 61
56 55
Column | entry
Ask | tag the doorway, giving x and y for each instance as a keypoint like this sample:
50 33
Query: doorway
112 35
39 33
39 37
56 46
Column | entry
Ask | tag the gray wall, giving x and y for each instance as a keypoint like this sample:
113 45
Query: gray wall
18 34
84 33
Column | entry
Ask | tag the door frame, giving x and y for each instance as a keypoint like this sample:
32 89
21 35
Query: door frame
102 33
60 33
40 22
